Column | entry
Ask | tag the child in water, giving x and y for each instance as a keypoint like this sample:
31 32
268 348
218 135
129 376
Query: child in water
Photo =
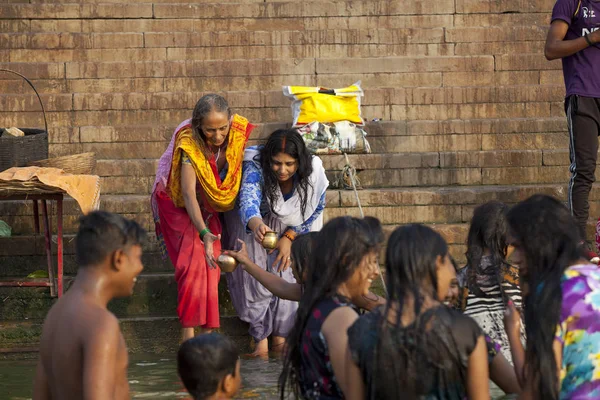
209 367
489 282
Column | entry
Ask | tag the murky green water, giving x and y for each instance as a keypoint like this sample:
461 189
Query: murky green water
150 377
154 377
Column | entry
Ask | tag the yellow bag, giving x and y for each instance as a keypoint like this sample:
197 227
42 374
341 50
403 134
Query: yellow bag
324 105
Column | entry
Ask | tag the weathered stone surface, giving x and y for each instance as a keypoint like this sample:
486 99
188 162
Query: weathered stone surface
524 175
533 140
429 143
498 48
501 19
16 85
83 55
287 9
507 6
487 126
382 161
524 62
491 158
156 69
28 102
414 177
403 215
495 34
68 11
471 111
499 78
405 64
71 40
557 157
551 77
484 94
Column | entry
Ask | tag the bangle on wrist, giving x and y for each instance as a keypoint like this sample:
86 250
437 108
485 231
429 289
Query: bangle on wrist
203 233
291 235
588 40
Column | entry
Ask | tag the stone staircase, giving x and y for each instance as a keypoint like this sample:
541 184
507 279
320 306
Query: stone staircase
470 111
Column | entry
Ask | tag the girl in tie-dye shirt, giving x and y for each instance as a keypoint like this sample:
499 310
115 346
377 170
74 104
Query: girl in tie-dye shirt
561 293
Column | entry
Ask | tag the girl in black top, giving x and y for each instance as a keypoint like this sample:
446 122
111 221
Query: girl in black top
415 347
343 265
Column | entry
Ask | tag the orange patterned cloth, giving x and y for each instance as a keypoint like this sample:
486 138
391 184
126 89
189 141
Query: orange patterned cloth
85 189
220 195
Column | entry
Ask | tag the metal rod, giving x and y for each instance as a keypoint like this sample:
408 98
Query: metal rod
36 216
362 215
59 223
48 235
36 93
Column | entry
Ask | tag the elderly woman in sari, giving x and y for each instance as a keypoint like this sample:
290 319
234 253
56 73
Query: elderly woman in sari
283 190
198 178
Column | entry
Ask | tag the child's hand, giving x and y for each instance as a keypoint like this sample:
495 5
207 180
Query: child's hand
512 320
241 255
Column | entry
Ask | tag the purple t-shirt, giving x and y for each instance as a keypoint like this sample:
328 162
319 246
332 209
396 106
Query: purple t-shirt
582 69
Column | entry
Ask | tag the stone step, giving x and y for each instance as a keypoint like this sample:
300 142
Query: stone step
83 25
218 10
400 196
410 169
234 24
390 161
435 79
504 7
267 99
492 134
393 206
97 40
240 52
258 9
155 295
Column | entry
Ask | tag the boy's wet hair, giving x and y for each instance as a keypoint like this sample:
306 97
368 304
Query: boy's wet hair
203 361
101 233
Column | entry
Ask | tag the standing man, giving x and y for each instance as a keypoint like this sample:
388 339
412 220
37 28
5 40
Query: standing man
574 36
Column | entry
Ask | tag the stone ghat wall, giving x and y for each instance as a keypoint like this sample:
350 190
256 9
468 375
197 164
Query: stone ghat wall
471 112
471 109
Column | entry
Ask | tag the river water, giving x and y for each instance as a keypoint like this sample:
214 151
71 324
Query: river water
155 377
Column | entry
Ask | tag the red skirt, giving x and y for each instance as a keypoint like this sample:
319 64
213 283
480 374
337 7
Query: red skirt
197 283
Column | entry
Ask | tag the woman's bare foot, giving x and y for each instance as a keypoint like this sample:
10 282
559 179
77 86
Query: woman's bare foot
261 349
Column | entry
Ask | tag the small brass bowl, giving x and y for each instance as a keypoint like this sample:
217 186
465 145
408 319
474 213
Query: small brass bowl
270 240
227 263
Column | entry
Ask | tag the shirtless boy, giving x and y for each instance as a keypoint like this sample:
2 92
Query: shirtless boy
83 353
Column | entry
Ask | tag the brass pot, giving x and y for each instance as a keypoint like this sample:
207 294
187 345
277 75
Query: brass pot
270 240
227 263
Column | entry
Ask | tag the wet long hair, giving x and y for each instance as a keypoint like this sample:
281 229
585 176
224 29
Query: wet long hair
290 142
550 240
207 104
342 244
404 354
488 231
302 248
